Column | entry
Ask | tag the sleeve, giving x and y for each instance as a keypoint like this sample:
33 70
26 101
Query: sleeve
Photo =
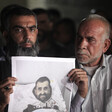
76 103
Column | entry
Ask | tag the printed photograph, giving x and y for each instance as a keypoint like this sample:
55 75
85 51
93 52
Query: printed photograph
42 84
42 96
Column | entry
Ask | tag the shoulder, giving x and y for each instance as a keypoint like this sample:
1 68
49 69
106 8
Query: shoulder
108 59
108 63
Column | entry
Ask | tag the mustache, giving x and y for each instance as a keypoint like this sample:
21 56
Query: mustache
43 94
82 52
23 51
27 41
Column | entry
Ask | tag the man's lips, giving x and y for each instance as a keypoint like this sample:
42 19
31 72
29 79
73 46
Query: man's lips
26 45
42 96
82 54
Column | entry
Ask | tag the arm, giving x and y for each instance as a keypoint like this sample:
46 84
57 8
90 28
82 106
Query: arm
76 103
6 88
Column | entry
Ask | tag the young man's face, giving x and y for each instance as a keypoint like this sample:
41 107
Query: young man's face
43 91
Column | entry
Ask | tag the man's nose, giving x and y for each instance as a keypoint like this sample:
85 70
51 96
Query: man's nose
42 92
27 34
83 43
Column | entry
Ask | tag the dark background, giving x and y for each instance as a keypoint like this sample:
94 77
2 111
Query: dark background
74 9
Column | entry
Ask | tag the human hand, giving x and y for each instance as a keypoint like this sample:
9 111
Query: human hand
79 76
6 88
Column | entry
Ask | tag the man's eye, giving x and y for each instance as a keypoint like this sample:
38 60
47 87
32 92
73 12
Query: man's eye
32 29
46 88
90 39
18 30
39 88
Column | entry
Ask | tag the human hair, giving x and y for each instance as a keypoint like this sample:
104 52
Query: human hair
13 10
43 79
103 20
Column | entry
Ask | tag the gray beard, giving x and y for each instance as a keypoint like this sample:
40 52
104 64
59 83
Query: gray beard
13 49
33 51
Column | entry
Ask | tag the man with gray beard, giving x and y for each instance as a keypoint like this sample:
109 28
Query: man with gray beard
93 72
19 28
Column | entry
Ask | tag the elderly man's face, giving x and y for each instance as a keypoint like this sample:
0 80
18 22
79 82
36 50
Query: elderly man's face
43 91
22 33
90 45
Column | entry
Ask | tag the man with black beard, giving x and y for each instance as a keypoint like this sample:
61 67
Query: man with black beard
19 28
42 89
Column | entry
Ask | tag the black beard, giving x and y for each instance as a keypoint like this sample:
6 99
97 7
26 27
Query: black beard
13 49
47 97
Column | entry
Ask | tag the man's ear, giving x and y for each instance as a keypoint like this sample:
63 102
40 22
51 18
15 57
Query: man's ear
107 44
5 35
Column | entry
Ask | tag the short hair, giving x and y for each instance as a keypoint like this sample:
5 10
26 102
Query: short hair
13 10
43 79
103 20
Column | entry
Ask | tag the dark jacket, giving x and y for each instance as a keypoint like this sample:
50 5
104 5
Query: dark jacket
5 68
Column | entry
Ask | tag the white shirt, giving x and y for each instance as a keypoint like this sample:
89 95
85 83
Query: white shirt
99 97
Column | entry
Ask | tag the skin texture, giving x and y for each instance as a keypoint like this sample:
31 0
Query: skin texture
89 50
21 29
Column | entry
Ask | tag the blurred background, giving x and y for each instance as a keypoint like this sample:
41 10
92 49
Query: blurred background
73 9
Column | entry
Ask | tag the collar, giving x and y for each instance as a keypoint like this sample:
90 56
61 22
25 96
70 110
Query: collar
103 64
